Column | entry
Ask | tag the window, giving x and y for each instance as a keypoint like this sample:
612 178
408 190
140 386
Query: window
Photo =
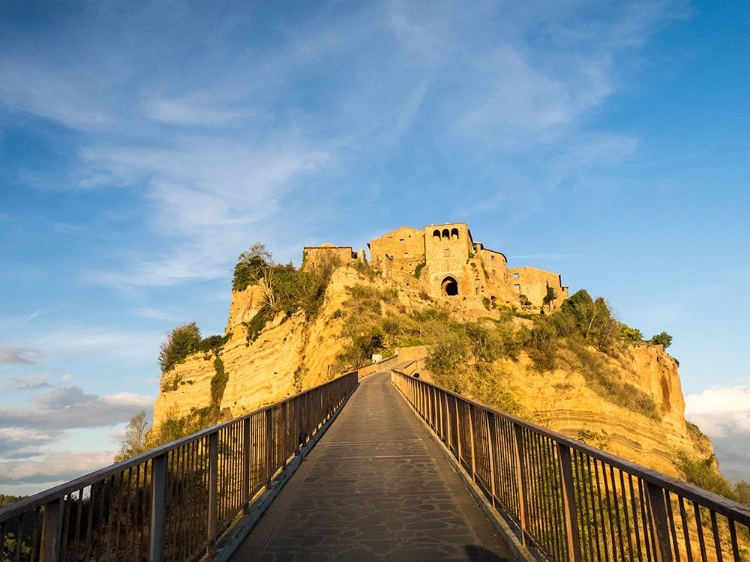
517 287
436 234
515 276
447 252
401 241
454 234
406 254
446 234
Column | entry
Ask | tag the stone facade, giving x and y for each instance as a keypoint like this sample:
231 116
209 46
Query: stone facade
443 260
314 256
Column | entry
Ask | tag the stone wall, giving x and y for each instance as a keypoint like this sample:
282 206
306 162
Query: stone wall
314 256
533 283
397 254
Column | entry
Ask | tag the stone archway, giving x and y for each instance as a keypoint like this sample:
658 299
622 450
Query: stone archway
449 287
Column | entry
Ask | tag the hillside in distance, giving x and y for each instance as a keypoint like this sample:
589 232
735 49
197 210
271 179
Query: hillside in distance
562 362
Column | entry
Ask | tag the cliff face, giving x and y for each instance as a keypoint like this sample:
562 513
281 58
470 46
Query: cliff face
289 355
562 401
293 353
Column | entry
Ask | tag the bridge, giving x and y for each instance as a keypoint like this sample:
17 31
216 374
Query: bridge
348 471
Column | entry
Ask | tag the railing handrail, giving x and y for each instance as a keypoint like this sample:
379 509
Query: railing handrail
45 496
571 500
174 502
718 503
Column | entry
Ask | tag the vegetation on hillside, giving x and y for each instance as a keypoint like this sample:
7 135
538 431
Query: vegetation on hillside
467 357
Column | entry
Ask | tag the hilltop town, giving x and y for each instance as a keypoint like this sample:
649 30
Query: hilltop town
443 260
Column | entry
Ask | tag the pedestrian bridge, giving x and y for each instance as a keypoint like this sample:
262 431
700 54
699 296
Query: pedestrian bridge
347 471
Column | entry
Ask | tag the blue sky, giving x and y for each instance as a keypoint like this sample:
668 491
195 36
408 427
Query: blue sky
144 145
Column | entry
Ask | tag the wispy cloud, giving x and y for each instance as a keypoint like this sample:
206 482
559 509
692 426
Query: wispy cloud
31 382
18 355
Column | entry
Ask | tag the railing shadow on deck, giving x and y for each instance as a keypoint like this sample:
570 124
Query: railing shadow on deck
171 503
572 502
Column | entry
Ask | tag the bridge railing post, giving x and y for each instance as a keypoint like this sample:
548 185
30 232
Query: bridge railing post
492 451
472 443
158 507
659 522
569 502
247 456
521 479
213 491
270 446
51 531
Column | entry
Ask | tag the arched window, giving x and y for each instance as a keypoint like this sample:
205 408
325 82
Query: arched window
446 234
436 234
449 287
454 234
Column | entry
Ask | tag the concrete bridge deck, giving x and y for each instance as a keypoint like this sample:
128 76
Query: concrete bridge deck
376 487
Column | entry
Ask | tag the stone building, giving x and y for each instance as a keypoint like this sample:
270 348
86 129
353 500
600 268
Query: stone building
443 260
313 256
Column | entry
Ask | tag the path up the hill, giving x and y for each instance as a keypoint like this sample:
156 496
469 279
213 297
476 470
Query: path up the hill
376 487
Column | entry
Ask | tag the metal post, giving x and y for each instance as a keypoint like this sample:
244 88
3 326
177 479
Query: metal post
247 456
659 522
459 450
270 445
158 507
472 442
492 448
51 531
213 492
569 502
520 478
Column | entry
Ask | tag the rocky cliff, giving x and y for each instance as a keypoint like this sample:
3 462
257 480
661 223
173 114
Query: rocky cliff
293 352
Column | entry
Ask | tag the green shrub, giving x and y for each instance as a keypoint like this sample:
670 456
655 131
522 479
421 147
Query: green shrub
218 382
631 335
450 352
212 343
662 339
181 342
419 268
704 473
541 344
257 323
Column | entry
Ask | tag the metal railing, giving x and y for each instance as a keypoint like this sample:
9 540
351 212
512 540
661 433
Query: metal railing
171 503
574 502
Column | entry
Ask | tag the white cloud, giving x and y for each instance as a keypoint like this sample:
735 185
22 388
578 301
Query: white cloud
723 413
720 410
67 408
31 475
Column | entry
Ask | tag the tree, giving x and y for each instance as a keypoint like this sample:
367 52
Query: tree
181 342
549 297
135 437
663 338
252 265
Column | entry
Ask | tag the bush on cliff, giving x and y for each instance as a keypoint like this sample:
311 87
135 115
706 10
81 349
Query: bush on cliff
181 342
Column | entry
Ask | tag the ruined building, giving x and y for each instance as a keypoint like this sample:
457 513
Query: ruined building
442 260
